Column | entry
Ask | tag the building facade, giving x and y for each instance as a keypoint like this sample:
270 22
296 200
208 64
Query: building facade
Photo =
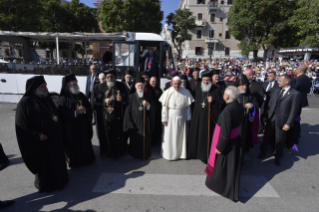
211 36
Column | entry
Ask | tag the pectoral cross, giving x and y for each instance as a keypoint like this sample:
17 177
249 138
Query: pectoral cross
203 105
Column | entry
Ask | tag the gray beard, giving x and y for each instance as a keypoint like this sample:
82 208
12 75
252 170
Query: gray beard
140 94
74 91
242 92
206 88
110 84
183 86
38 93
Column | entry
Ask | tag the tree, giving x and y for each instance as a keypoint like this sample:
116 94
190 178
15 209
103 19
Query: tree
182 22
131 15
305 21
18 15
81 18
260 24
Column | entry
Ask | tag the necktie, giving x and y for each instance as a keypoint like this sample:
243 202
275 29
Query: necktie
196 83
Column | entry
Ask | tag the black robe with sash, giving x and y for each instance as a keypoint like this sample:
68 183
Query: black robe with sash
78 130
197 140
46 159
249 117
110 119
139 146
223 171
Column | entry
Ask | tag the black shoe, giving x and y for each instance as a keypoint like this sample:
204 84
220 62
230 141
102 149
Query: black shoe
277 161
262 155
3 166
4 204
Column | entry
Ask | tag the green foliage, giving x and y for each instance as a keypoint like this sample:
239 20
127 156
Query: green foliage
131 15
19 15
305 20
182 21
262 23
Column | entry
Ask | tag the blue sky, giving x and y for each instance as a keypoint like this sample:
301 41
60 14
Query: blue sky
168 6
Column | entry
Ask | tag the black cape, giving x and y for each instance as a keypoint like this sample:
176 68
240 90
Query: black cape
46 159
110 126
197 142
225 178
78 130
134 123
256 89
218 103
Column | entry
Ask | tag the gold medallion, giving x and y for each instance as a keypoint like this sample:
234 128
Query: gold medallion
109 109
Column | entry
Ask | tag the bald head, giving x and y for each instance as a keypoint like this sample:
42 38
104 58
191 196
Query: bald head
249 75
303 69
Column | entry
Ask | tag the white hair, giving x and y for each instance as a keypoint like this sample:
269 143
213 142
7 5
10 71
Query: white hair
101 75
232 92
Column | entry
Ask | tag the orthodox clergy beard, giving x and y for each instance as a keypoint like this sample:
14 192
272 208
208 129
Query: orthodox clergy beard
110 84
206 88
140 94
182 85
74 91
41 94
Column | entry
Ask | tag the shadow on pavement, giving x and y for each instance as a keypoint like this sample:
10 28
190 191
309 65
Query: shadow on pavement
81 185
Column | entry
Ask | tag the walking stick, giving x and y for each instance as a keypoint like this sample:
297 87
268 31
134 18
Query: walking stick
208 135
144 114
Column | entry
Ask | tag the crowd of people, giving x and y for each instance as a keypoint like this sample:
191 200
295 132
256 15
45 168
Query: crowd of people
196 116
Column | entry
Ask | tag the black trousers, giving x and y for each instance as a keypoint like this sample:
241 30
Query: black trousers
275 137
3 157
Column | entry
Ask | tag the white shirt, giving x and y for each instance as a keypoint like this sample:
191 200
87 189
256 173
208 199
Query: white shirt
270 85
285 91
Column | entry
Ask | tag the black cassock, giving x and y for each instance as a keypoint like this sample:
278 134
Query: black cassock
110 119
249 117
218 103
256 89
78 130
139 146
197 140
224 174
155 114
46 159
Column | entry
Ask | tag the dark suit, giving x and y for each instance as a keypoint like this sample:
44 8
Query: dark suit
154 71
282 111
88 83
302 83
264 107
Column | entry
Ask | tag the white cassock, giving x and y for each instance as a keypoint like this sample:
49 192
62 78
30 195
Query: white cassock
175 111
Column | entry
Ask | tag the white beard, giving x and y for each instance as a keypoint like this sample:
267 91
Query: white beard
74 91
140 94
110 84
242 92
41 94
206 88
182 85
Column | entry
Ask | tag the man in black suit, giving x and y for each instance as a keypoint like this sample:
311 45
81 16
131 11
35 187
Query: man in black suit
91 81
283 108
301 83
151 63
268 88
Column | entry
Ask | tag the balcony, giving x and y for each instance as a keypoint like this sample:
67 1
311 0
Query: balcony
201 23
213 6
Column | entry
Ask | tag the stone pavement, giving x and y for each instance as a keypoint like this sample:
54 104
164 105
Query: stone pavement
133 185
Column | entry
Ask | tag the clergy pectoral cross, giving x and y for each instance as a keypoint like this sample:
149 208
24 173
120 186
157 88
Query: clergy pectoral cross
203 105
